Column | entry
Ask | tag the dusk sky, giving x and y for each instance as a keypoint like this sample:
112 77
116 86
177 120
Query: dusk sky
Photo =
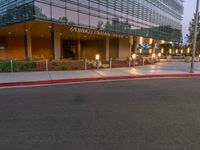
190 6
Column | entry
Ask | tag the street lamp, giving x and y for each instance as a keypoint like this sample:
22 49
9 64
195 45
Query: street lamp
195 36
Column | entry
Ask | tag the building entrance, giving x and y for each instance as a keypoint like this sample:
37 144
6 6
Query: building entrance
70 49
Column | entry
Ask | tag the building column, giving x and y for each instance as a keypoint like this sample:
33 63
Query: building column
79 49
56 44
28 44
131 45
107 48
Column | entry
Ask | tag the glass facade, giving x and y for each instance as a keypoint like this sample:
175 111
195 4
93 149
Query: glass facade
158 19
15 11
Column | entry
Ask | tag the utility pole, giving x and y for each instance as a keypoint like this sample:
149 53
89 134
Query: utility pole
195 37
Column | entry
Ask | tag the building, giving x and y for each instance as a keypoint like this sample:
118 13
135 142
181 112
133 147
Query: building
40 29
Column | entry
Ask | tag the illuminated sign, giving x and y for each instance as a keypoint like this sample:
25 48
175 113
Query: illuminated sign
96 32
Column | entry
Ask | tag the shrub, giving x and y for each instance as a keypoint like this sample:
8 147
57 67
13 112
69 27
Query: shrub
5 66
75 67
17 66
65 67
54 62
51 58
106 62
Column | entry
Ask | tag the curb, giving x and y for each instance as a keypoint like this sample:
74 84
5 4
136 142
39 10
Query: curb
79 80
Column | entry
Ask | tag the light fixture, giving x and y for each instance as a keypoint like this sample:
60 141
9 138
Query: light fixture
150 51
163 42
170 42
188 50
153 55
150 41
97 57
134 56
176 51
181 51
141 40
159 54
49 27
140 51
162 50
170 51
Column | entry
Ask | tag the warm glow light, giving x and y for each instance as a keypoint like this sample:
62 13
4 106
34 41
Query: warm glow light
188 50
163 42
150 41
140 51
159 54
176 51
134 56
153 55
170 42
150 51
162 50
199 55
97 57
141 40
170 51
181 51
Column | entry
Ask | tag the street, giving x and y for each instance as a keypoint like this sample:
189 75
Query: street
123 115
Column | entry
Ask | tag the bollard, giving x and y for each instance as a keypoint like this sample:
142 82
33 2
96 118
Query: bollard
133 62
143 61
11 65
152 60
129 62
134 59
47 66
110 63
97 64
97 61
85 62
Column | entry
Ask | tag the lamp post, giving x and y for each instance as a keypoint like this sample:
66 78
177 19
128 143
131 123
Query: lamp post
97 61
152 59
134 57
195 37
159 56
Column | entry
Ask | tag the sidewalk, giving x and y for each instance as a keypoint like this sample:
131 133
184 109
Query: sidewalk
168 69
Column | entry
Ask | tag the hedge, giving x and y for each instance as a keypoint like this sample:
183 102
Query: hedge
17 66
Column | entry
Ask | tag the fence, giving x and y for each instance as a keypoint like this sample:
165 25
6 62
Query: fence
62 65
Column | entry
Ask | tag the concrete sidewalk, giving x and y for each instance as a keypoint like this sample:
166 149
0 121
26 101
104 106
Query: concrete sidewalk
167 68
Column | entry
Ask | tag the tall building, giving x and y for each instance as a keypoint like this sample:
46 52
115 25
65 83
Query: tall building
40 29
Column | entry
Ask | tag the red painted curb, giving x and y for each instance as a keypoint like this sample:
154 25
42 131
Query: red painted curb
48 82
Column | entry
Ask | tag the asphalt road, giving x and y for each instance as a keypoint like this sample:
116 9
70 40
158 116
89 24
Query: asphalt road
126 115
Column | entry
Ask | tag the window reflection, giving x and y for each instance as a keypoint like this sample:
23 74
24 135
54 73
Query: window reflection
137 17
